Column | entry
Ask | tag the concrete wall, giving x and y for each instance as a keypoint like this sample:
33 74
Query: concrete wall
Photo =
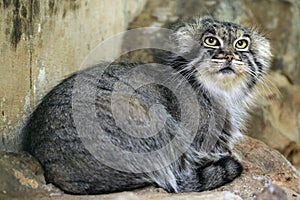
41 42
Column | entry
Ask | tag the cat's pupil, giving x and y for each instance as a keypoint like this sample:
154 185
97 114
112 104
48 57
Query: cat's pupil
240 42
211 40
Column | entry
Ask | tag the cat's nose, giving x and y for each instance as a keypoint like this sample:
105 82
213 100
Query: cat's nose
229 57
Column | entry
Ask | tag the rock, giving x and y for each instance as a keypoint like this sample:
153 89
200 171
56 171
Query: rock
266 174
21 175
263 167
272 192
276 120
152 193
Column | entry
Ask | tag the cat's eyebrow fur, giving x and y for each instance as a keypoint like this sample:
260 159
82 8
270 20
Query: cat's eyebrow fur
246 35
210 30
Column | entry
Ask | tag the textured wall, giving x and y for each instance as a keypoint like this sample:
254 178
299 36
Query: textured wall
41 42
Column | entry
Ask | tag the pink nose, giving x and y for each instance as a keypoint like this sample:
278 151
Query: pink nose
229 57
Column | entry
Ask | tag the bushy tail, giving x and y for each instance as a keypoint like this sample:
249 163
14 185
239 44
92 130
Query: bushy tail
219 173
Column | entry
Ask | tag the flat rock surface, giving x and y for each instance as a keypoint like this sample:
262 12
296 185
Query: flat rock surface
152 193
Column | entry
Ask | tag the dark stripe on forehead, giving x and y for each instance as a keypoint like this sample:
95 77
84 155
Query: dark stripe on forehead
210 30
246 35
230 38
233 32
222 32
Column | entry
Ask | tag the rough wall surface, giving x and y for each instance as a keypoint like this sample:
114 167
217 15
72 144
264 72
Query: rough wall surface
41 42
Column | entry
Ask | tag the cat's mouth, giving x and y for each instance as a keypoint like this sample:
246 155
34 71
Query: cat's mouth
226 70
227 67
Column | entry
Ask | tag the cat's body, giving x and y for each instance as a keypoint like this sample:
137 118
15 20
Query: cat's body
222 62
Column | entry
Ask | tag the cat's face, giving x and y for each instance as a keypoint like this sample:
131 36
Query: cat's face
224 57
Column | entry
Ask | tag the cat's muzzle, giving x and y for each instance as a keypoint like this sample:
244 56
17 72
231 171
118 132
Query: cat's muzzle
228 67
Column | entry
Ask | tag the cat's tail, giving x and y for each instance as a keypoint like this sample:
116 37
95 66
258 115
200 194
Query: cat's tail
218 173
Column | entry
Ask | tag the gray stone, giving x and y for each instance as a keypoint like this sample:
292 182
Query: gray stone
21 176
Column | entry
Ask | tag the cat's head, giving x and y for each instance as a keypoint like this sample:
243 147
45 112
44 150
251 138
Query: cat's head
224 57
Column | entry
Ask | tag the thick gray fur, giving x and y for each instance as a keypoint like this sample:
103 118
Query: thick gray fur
52 135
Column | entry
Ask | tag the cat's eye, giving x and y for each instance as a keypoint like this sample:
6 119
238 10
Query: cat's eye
241 44
212 41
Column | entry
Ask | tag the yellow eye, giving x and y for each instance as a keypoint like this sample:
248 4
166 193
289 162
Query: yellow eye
212 41
241 44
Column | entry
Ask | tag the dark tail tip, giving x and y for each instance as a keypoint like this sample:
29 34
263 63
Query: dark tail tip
218 173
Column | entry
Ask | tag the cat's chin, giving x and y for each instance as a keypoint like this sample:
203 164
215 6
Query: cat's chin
225 80
227 86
